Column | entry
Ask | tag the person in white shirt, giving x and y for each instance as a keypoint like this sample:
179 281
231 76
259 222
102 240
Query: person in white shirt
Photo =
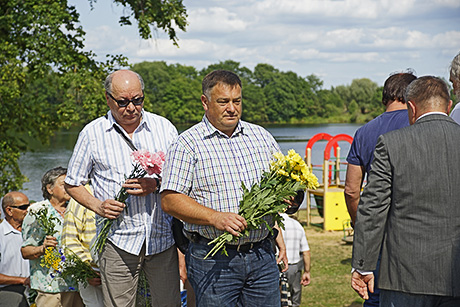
298 254
455 79
14 270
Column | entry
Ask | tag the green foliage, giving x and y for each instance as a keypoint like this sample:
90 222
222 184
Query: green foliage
269 95
173 91
47 81
158 14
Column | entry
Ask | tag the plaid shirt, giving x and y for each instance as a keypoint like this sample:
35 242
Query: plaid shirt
209 166
103 156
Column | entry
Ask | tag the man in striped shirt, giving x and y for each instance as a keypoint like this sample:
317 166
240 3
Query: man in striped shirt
140 237
201 185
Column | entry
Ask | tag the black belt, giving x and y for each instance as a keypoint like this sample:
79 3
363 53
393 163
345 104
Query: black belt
242 248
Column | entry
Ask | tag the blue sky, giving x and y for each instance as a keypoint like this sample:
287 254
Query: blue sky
337 40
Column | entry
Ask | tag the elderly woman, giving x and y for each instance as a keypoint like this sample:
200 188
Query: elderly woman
455 79
52 291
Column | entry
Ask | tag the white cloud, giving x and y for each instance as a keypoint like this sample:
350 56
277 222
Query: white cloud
215 19
417 40
366 9
339 40
344 57
448 39
448 3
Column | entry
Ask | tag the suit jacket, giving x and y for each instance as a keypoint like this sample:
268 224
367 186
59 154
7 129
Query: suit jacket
410 209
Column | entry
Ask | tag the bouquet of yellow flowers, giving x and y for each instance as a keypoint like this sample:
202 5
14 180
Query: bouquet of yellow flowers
67 264
287 175
63 261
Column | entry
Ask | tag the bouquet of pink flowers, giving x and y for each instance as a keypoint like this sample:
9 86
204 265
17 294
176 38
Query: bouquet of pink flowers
145 163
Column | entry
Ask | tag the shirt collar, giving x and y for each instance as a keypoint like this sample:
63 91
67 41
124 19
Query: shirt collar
430 113
111 121
7 228
210 130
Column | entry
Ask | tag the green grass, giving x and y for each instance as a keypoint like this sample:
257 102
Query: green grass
330 268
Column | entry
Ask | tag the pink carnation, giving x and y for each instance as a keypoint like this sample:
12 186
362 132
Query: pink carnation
151 162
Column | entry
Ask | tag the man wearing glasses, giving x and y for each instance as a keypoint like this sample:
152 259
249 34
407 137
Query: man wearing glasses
14 270
140 237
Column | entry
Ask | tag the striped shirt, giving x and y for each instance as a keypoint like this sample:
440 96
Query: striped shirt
103 156
294 239
79 230
209 166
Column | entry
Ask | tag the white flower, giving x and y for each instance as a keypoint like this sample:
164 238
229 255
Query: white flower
36 207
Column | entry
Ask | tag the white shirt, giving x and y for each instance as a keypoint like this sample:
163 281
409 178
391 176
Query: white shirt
455 114
103 156
294 239
11 261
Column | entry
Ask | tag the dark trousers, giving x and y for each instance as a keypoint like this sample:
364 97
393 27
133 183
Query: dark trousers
13 296
401 299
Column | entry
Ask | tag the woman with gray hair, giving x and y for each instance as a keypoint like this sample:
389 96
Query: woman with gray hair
455 79
52 290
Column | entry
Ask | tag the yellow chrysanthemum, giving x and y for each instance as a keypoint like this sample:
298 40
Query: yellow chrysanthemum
295 177
282 172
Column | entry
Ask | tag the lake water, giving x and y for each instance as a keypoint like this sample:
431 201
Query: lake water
35 164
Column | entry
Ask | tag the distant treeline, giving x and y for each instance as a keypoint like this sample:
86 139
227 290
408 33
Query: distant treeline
269 95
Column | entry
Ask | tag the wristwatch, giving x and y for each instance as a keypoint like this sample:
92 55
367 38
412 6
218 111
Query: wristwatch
157 180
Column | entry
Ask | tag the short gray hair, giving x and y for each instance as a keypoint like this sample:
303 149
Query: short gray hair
8 200
455 67
455 71
50 178
429 93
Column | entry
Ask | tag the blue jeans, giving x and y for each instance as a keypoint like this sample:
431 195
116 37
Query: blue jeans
239 279
401 299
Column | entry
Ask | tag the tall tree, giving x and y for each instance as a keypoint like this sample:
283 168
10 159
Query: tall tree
47 80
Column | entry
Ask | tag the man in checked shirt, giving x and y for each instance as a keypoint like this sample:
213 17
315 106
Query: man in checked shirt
201 185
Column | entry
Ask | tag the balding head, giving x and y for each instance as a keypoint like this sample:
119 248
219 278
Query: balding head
15 206
427 94
14 198
123 79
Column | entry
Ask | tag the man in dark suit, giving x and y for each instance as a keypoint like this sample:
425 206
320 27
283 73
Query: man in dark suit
411 207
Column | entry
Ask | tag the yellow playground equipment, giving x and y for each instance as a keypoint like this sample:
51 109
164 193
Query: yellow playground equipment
329 197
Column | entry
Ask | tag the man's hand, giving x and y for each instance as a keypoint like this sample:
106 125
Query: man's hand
182 266
110 208
362 283
50 241
96 281
228 221
305 281
26 282
140 186
282 257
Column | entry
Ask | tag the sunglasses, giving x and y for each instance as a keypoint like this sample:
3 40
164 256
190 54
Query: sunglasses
125 102
21 207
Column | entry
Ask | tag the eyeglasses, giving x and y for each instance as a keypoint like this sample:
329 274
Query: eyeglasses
125 102
21 207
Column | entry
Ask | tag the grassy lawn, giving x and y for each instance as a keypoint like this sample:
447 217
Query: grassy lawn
330 268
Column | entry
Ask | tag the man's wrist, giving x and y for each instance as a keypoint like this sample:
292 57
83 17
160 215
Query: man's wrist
158 185
361 271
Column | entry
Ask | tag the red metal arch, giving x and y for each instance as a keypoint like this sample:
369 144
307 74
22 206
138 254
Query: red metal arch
315 138
333 142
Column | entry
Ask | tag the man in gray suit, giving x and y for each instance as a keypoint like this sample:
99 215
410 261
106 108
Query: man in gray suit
411 207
